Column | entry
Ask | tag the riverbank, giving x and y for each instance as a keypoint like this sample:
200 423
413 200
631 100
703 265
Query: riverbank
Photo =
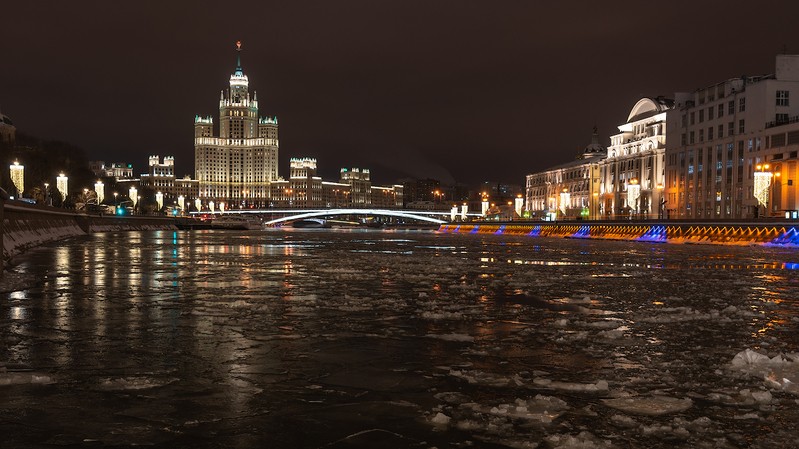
25 226
778 233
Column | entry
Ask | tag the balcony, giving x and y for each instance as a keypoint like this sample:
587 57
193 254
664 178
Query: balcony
774 123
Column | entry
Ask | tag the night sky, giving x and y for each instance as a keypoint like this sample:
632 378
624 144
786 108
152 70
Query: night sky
461 91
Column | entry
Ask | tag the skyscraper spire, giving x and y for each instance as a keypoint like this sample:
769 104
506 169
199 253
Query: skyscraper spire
238 57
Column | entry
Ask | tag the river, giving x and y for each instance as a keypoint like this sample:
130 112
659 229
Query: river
395 339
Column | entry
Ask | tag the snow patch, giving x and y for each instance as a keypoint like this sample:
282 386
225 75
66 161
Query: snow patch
780 372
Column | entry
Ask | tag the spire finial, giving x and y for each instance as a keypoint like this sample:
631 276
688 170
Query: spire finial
238 55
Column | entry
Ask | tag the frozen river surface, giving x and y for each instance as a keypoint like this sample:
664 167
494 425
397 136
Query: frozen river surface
397 340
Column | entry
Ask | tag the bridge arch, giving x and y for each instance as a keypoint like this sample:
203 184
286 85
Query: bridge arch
334 212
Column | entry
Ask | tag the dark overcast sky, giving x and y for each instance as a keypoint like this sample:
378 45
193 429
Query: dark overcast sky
457 90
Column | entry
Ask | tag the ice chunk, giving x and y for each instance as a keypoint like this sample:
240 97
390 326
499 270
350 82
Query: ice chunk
134 383
601 385
748 357
440 419
650 406
779 372
453 337
583 440
14 378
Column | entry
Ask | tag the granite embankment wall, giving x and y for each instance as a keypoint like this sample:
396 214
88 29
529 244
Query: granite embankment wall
25 226
774 233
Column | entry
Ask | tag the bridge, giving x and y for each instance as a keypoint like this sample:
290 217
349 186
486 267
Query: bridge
286 215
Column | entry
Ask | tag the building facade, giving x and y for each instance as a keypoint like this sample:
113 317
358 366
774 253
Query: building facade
240 163
731 148
305 189
8 131
115 170
568 190
631 178
160 178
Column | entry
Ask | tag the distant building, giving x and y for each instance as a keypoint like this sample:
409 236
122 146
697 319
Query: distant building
115 170
305 189
732 147
8 131
160 177
240 164
567 190
360 186
420 190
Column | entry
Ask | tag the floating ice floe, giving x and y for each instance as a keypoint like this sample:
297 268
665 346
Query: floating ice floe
481 378
540 409
133 383
442 315
780 372
649 405
452 337
583 440
14 378
599 386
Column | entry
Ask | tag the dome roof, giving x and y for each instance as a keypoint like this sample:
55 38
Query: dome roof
594 147
647 107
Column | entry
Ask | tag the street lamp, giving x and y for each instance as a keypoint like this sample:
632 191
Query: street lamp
133 194
633 194
18 177
62 184
565 199
662 205
47 194
762 187
99 189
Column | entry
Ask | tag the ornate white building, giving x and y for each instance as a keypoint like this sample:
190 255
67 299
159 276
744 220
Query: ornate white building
239 165
632 175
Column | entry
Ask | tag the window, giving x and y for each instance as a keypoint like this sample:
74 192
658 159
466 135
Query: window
782 97
741 126
701 115
710 111
721 131
721 110
782 118
742 104
731 107
691 138
730 128
701 135
693 117
710 133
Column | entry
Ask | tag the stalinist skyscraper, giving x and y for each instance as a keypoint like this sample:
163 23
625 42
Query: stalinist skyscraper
237 167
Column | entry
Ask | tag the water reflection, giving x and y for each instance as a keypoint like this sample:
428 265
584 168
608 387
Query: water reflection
234 327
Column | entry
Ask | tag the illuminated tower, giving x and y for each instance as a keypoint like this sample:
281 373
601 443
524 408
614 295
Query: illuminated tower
242 161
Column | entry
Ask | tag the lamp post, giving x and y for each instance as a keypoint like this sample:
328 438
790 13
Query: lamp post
18 177
46 194
62 184
133 194
633 195
661 200
99 189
